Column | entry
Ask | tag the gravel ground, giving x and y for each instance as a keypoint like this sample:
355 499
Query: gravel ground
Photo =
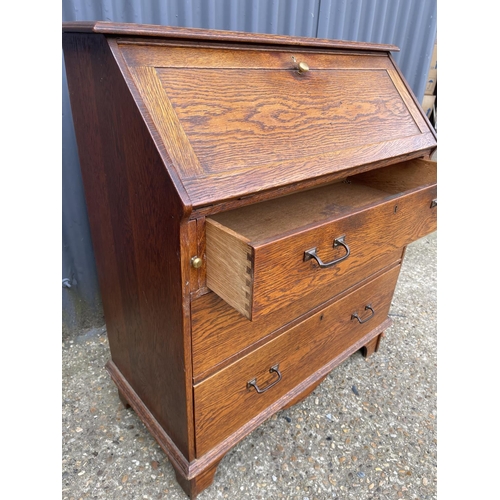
367 432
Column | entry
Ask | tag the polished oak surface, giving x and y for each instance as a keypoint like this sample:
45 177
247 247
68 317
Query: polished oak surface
243 121
223 402
129 195
179 34
255 255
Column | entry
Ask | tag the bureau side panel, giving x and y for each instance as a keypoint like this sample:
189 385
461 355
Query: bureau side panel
135 216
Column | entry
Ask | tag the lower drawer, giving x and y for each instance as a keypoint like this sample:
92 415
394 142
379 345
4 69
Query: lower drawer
227 400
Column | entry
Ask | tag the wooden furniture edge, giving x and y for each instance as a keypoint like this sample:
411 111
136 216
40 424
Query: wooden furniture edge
127 29
413 96
222 205
222 448
148 122
190 470
177 459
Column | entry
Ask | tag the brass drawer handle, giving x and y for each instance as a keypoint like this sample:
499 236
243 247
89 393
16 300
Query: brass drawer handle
253 382
311 253
368 307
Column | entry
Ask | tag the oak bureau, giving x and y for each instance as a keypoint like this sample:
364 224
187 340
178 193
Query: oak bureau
250 199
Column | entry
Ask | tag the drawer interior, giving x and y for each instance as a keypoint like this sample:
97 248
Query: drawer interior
277 217
400 178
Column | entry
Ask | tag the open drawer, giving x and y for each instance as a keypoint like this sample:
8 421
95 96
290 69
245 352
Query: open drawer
262 257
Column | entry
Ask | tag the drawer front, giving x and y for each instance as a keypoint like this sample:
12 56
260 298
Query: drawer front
224 402
219 331
281 276
261 275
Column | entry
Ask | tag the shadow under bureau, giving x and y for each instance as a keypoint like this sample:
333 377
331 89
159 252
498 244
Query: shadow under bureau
250 199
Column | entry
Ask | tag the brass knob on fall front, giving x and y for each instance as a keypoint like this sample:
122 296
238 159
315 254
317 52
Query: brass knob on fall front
196 262
303 67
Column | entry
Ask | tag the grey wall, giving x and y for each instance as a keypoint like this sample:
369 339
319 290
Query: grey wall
409 24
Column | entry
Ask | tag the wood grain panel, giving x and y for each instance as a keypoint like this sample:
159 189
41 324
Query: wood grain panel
229 268
170 56
285 190
209 190
129 196
223 403
251 118
220 333
410 104
171 132
410 92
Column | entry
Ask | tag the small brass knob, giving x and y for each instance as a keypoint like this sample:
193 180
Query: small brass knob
303 67
196 262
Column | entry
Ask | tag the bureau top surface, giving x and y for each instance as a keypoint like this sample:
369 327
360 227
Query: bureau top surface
234 114
176 32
